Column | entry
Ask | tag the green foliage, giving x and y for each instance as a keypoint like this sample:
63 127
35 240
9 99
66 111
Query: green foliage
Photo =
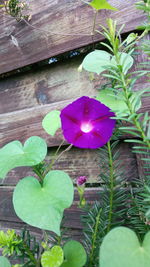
23 247
125 62
101 4
15 155
51 122
131 38
145 46
17 265
146 196
137 220
145 6
121 98
4 262
99 60
42 203
124 249
75 255
120 79
42 206
16 8
116 101
96 61
52 258
94 230
9 242
29 249
112 210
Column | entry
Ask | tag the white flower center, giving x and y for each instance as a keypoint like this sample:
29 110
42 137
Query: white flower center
86 127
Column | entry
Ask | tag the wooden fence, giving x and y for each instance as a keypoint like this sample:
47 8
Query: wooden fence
57 26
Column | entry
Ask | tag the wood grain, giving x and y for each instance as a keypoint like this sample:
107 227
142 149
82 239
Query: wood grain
72 214
47 85
22 124
85 162
76 234
52 84
57 27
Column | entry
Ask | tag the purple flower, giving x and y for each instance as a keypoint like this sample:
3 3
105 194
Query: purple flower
86 123
81 180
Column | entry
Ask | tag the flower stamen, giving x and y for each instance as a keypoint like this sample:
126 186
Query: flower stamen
86 127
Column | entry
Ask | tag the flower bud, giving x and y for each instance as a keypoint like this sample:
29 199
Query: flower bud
81 180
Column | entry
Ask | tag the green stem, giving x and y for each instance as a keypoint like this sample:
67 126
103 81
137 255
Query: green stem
41 177
135 121
59 240
59 156
94 236
54 158
31 256
94 21
111 189
124 85
38 264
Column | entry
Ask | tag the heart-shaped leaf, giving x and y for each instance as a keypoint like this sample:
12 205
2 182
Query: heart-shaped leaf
15 155
53 257
43 206
51 122
75 255
121 247
101 4
96 61
4 262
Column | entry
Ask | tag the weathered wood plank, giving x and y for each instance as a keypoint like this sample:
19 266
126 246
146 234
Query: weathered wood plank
25 123
77 162
64 25
22 124
7 213
51 84
76 234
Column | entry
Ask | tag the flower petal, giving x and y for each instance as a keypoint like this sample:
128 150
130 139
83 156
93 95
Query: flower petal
86 123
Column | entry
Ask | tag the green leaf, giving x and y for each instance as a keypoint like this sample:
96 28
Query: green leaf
99 60
53 257
15 155
43 206
126 61
116 102
4 262
121 247
108 98
101 4
75 255
51 122
96 60
131 37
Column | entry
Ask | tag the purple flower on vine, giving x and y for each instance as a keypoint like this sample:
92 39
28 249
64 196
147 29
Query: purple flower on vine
87 123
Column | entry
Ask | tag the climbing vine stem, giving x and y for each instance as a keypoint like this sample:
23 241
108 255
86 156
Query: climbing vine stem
111 188
94 237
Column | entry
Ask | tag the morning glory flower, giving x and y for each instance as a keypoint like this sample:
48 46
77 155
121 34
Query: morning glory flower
87 123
